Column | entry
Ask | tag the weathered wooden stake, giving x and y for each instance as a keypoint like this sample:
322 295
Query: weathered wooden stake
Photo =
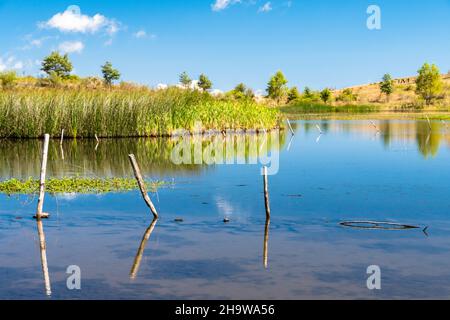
141 183
62 137
42 179
374 125
318 128
429 123
140 253
266 193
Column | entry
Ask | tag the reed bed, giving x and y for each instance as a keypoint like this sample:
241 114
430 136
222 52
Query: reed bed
30 113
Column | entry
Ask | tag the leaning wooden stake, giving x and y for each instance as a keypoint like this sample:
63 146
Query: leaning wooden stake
266 193
62 137
429 123
141 183
42 179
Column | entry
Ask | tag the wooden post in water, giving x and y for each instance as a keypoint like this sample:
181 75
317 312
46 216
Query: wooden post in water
266 193
61 144
140 253
141 183
42 179
62 137
429 123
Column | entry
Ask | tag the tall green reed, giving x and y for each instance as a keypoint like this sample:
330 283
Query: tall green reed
29 113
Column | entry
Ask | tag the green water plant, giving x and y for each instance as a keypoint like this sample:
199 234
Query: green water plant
75 185
30 113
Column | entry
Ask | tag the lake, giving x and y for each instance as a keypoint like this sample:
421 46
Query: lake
393 171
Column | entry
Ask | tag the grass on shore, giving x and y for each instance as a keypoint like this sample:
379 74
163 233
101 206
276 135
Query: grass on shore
74 185
30 113
315 110
315 107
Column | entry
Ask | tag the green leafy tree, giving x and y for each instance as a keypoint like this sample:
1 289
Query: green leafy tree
204 82
429 83
109 73
325 95
307 93
58 64
276 88
347 95
185 80
242 92
293 95
387 85
8 79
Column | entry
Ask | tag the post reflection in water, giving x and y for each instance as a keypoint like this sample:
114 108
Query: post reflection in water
137 260
266 244
43 251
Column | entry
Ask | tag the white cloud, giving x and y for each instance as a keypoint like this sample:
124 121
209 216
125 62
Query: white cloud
220 5
161 86
266 7
216 92
140 34
72 20
71 47
10 63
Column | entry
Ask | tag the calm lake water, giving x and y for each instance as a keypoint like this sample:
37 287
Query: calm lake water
349 172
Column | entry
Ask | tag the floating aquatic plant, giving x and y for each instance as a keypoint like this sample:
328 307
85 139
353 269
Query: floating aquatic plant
75 185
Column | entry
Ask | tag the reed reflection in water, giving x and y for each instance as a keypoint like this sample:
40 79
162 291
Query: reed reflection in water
20 158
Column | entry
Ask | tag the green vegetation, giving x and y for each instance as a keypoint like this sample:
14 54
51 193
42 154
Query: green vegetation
293 95
276 88
30 113
387 85
241 92
74 185
325 95
185 80
429 83
109 73
8 79
320 108
57 65
204 83
347 95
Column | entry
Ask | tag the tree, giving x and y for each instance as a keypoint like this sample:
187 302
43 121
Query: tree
204 82
109 73
185 80
8 79
429 82
57 64
387 85
276 87
325 95
293 94
307 93
347 95
242 92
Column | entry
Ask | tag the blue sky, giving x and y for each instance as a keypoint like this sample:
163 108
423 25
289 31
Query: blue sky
315 43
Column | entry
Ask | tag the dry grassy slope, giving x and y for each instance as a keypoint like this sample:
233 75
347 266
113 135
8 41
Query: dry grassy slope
404 92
